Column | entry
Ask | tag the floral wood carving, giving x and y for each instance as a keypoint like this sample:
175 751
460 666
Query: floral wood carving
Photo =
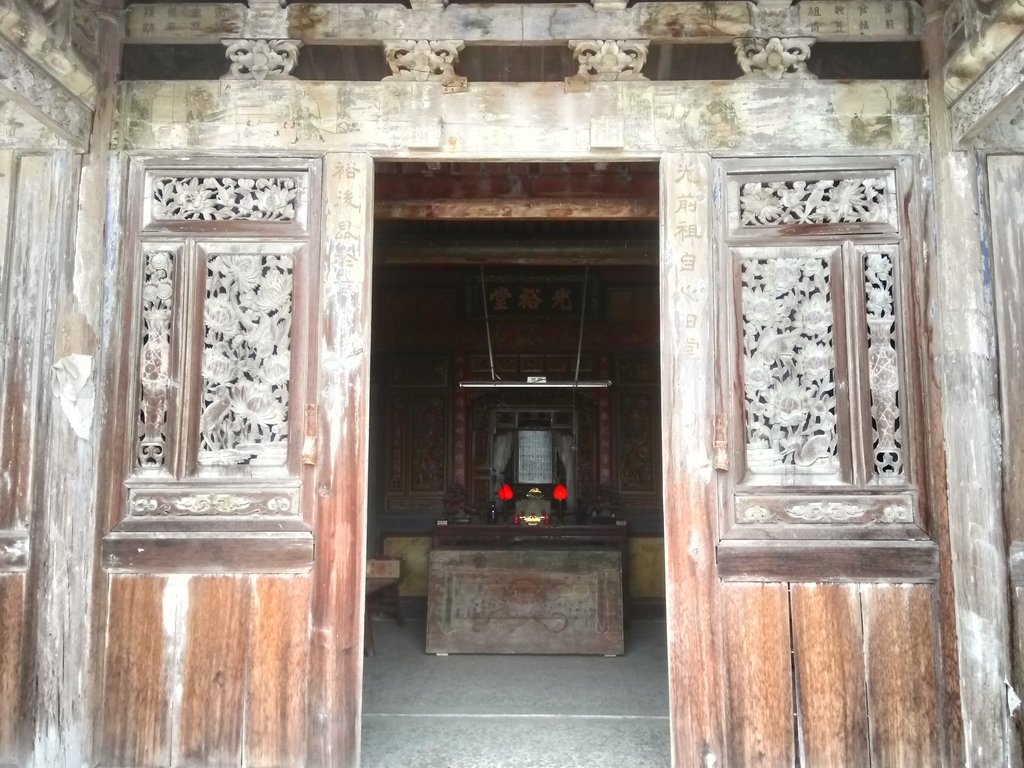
825 201
246 359
261 59
788 366
610 59
826 511
883 367
223 198
422 59
155 358
774 58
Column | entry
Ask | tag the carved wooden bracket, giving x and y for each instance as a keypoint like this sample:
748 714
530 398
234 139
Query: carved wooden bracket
424 60
610 59
774 58
261 59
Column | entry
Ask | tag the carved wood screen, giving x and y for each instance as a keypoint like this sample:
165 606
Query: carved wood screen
219 265
820 382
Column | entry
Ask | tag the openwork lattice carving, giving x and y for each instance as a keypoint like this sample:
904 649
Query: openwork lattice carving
422 59
883 367
261 59
610 59
246 359
155 358
824 201
224 198
774 58
788 361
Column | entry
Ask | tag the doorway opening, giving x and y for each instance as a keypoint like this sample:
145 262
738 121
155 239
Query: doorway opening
537 276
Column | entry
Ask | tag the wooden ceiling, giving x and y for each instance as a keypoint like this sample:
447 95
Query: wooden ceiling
516 213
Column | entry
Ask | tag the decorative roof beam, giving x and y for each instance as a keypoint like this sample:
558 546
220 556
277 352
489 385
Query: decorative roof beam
28 86
534 24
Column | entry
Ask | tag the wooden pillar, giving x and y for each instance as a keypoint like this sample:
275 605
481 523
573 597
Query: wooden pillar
1005 195
693 611
54 467
967 418
335 692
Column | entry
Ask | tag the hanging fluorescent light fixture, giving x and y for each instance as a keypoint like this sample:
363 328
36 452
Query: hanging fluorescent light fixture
535 382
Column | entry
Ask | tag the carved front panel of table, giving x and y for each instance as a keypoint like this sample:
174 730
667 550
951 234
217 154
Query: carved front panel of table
525 601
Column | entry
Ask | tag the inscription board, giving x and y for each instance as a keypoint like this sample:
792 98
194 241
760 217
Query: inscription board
525 601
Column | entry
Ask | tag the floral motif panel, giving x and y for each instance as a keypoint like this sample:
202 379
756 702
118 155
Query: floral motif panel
246 362
788 359
815 201
883 367
155 358
224 198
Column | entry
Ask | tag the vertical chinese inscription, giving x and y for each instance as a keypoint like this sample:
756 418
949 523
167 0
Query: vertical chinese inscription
246 359
883 367
155 358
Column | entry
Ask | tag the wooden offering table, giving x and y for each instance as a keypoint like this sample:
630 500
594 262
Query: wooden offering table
515 589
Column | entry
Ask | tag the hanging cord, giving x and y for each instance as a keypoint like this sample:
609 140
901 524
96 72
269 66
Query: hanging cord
487 325
583 315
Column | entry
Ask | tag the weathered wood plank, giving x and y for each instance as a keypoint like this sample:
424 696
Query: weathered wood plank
508 121
136 719
13 550
759 670
753 560
335 691
518 24
828 646
693 610
208 552
213 672
276 701
12 606
902 684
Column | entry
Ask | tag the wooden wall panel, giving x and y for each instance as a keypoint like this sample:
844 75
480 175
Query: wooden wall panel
12 606
213 672
902 684
828 644
135 730
275 722
759 669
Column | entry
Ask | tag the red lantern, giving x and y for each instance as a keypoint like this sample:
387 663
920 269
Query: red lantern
506 494
561 492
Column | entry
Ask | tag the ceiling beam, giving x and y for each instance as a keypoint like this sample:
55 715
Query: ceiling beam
505 208
529 23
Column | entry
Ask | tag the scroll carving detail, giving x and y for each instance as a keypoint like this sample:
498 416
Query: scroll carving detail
261 59
246 360
788 366
422 59
227 504
826 201
774 58
610 59
154 358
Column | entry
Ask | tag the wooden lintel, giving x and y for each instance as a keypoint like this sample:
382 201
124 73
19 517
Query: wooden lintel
534 23
499 208
828 561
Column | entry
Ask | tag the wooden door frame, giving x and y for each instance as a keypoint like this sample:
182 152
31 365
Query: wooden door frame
687 362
